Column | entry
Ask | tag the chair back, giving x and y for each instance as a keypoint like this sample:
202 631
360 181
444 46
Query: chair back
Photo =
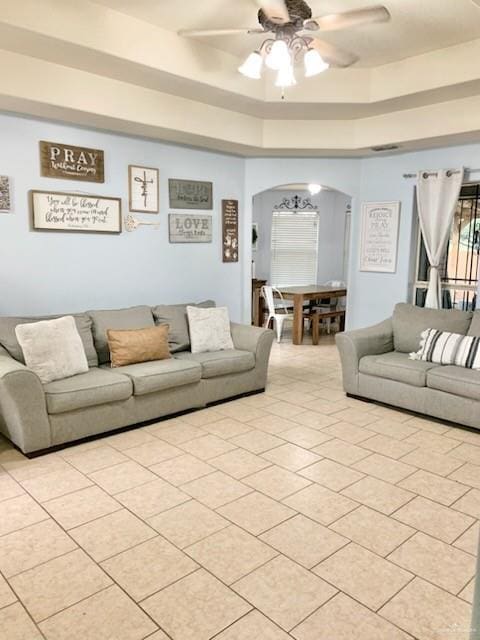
338 284
267 293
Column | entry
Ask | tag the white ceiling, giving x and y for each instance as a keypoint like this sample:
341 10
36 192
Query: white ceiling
417 26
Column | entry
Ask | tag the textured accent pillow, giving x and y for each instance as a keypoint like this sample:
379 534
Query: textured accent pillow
175 315
446 348
209 329
130 346
52 349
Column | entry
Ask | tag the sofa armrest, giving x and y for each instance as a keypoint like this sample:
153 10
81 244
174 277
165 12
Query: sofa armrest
354 345
23 412
257 340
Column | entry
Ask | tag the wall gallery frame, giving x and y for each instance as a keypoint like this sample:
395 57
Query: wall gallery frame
143 189
59 211
5 195
379 239
190 194
185 228
69 162
230 230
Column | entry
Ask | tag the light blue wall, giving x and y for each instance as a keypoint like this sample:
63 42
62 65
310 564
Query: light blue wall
65 272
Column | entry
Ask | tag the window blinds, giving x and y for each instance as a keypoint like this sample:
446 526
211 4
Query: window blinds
294 256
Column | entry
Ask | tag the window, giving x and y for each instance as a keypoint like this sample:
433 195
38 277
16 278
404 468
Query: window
459 269
294 248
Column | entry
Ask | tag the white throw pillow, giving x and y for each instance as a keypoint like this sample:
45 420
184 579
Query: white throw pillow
442 347
52 349
209 329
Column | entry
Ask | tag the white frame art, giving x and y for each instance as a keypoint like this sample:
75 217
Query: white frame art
190 228
143 189
73 212
379 236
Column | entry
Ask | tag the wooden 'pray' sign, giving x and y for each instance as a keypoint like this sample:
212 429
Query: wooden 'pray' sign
70 162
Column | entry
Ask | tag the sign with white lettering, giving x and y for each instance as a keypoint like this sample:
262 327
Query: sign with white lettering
54 211
379 240
230 230
70 162
190 228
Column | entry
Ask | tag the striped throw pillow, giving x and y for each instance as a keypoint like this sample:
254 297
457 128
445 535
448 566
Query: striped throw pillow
446 348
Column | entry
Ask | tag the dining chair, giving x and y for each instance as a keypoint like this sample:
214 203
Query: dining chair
332 306
278 310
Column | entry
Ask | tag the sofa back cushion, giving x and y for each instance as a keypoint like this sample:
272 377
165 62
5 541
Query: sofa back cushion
175 315
9 341
475 326
130 318
409 322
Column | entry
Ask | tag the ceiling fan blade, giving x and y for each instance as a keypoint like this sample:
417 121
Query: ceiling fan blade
333 55
200 33
275 10
347 19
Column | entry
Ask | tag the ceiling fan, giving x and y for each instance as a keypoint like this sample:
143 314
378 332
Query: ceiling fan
292 29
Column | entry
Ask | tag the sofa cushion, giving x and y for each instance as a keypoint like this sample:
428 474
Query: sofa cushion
148 377
97 386
220 363
175 315
409 322
397 366
455 380
474 329
9 341
130 318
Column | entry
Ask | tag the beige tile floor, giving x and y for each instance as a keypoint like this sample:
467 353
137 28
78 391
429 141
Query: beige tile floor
298 513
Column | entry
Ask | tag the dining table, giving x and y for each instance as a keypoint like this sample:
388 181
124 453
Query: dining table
301 294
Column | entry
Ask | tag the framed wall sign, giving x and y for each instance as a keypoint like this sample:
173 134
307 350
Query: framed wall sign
57 211
5 197
71 163
379 239
143 189
230 230
189 228
190 194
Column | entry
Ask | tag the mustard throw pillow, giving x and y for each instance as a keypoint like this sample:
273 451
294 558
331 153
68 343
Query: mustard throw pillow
130 346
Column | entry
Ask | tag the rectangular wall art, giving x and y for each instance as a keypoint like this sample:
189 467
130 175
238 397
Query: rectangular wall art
230 230
56 211
5 198
190 228
71 163
379 240
190 194
143 189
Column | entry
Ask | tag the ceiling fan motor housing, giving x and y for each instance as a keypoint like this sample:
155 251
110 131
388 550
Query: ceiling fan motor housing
298 11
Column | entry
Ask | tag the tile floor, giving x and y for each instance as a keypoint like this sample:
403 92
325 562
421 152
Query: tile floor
298 513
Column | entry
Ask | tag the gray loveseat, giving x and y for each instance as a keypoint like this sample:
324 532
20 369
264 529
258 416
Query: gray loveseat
376 365
36 417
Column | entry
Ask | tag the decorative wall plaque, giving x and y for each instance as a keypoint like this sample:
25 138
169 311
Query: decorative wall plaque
189 228
143 189
57 211
230 230
190 194
5 199
71 163
379 240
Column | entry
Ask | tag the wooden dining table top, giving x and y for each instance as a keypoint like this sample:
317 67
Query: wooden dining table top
313 291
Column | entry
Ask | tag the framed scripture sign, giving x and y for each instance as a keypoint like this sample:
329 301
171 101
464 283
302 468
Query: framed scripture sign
189 228
230 230
71 163
143 189
379 239
190 194
57 211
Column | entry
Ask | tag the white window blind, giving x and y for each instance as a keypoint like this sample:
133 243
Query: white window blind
294 248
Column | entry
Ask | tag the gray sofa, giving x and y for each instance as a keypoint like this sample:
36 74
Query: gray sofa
376 365
37 417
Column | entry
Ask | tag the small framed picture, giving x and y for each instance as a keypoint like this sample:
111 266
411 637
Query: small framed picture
5 199
143 189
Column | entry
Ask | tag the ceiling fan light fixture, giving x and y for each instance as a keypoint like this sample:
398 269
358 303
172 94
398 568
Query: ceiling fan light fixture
314 63
315 189
278 56
285 77
252 67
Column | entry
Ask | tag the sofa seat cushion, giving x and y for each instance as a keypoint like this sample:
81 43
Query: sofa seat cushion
397 366
220 363
157 375
97 386
455 380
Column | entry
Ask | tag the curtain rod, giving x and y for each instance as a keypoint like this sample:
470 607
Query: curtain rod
432 173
